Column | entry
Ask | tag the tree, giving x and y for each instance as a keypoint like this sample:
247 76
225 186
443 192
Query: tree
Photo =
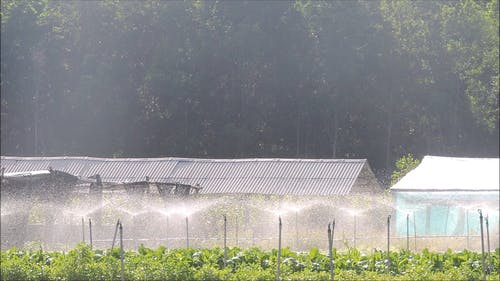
403 166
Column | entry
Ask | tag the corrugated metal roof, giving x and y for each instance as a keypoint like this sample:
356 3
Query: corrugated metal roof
215 176
436 173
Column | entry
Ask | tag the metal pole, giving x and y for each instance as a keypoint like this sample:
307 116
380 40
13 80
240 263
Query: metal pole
490 264
90 233
122 276
166 234
297 230
236 230
114 236
83 230
225 240
482 243
354 236
415 230
333 264
408 232
388 241
279 250
330 250
187 232
467 232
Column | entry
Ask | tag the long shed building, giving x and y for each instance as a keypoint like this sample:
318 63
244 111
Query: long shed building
311 177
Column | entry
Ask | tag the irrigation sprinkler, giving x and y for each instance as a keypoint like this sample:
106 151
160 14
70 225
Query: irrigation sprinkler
90 233
279 251
225 240
408 232
388 241
122 276
490 264
114 236
482 243
187 232
83 230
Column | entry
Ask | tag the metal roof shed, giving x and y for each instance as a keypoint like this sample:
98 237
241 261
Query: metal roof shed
443 195
312 177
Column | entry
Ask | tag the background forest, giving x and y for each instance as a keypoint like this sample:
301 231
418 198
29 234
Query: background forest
227 79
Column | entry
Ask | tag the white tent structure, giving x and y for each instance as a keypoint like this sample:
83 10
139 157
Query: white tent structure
443 194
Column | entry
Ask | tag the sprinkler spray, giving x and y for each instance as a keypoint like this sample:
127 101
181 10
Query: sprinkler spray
279 250
225 238
90 233
482 242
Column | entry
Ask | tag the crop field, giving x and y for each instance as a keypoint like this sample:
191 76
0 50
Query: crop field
83 263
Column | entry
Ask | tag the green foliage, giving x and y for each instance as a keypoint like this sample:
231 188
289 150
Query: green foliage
82 263
341 79
434 33
404 165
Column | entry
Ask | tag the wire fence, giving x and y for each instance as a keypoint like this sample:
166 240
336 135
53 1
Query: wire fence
66 237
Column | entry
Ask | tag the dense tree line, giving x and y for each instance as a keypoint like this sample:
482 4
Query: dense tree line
322 79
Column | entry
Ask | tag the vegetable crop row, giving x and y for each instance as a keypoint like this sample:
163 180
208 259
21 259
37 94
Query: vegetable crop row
82 263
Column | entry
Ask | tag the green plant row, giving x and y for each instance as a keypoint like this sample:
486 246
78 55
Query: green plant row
82 263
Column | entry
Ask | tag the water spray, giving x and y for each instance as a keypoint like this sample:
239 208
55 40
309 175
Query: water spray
490 264
90 233
225 238
187 232
122 276
482 243
114 236
279 250
388 241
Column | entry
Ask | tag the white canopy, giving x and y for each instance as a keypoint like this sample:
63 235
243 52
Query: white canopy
437 173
